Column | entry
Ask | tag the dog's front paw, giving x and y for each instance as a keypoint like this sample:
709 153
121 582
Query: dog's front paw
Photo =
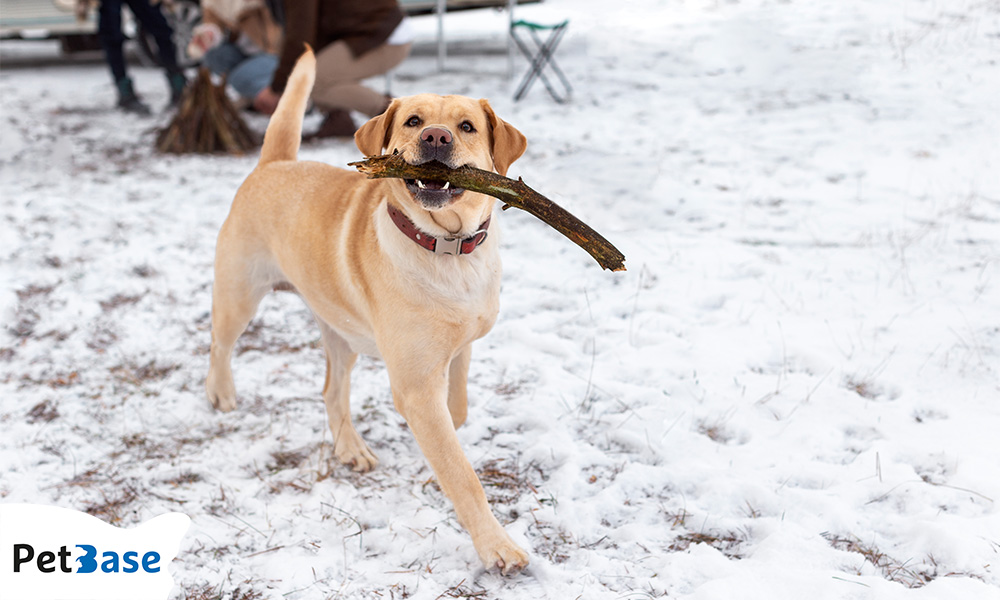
221 391
352 451
503 554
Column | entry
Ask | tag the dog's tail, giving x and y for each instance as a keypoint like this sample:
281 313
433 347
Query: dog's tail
284 132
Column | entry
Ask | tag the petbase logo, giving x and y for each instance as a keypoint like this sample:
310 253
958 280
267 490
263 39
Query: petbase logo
49 552
87 562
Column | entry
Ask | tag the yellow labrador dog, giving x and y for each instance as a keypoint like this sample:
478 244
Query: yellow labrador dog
407 270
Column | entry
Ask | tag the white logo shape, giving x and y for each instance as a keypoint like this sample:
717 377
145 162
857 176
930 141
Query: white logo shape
51 553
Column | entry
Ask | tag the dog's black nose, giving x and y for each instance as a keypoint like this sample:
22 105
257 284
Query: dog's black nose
436 137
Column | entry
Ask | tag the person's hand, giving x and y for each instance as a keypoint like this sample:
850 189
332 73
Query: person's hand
266 101
204 37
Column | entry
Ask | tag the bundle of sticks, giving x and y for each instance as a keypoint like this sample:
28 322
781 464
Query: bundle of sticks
206 122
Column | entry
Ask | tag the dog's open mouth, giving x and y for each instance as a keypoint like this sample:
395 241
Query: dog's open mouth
432 194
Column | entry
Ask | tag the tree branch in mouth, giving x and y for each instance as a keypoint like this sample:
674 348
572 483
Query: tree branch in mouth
510 192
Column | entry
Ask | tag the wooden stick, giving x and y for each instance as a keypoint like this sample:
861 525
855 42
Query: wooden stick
510 192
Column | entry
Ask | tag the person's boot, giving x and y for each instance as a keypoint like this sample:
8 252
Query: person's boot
128 100
177 83
337 123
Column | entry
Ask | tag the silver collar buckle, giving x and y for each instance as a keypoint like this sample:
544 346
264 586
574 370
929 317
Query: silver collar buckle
453 245
448 245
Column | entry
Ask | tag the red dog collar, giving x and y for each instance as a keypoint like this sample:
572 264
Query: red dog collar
445 245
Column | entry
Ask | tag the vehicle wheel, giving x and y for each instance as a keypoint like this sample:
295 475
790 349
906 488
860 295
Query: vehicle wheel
182 17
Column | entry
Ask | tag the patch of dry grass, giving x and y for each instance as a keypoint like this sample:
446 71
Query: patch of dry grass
677 518
141 374
257 338
460 590
119 300
114 503
138 446
244 591
890 568
57 380
727 542
553 542
865 388
505 482
185 478
34 291
715 431
26 317
45 411
287 459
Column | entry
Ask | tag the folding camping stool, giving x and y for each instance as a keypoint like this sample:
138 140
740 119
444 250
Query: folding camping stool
541 58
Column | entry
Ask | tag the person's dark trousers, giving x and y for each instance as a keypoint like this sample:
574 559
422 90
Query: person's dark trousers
109 29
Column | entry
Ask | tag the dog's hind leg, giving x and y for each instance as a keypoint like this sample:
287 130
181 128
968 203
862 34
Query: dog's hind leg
458 381
236 294
348 446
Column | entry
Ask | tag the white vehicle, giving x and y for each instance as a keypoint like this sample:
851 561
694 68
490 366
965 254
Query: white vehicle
56 19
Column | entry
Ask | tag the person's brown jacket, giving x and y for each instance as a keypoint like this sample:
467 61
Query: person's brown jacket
362 24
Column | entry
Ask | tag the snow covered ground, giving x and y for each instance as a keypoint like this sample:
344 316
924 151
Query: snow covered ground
793 392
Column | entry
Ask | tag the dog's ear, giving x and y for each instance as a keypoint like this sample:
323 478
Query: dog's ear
374 135
508 143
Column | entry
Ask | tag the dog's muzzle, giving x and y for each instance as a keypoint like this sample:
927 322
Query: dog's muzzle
432 194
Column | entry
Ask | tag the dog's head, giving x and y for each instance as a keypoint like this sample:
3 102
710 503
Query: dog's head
454 130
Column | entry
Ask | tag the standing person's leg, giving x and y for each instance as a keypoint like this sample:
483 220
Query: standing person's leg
109 30
154 23
339 74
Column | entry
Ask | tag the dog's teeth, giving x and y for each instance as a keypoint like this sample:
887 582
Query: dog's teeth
420 184
447 185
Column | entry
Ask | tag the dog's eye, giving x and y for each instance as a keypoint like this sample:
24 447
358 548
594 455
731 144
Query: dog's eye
468 127
413 121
